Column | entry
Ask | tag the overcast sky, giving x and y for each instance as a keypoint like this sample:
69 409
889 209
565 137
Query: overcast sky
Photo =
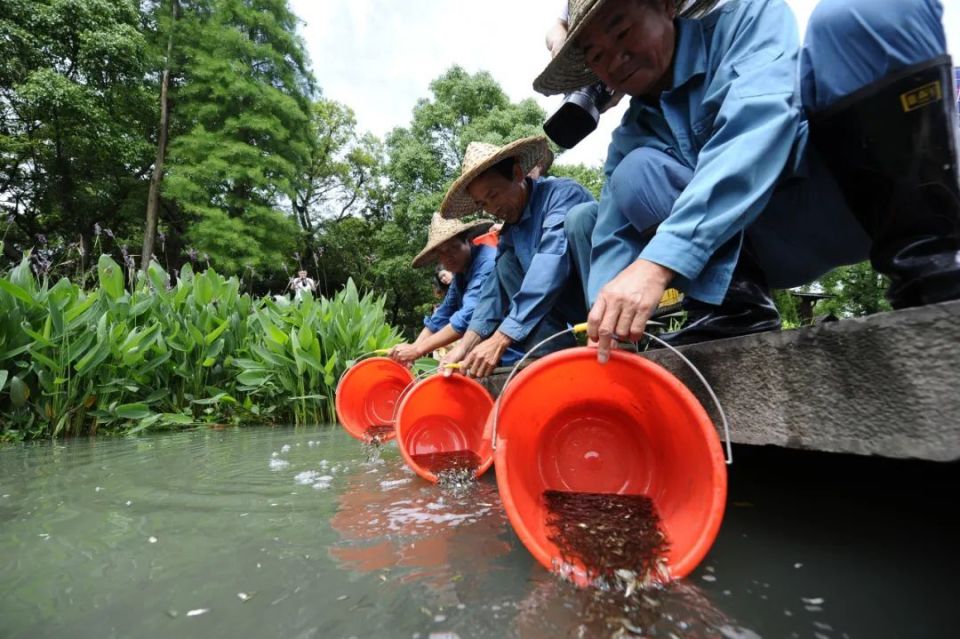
379 56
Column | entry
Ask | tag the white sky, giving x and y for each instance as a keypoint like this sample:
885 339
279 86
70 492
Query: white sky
379 56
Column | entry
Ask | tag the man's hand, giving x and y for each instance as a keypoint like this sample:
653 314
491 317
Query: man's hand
556 36
484 358
404 353
625 304
458 352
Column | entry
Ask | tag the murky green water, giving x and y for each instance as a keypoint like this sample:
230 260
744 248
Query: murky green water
292 533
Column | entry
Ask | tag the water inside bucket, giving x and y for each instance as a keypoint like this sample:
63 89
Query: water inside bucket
617 538
452 468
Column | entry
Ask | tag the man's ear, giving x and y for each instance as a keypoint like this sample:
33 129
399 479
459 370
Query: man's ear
518 175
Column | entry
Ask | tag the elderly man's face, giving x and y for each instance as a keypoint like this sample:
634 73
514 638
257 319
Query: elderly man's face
499 196
629 45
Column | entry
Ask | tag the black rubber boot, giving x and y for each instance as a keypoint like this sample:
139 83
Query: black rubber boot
893 148
747 308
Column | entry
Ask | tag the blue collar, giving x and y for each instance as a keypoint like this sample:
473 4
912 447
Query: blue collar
690 53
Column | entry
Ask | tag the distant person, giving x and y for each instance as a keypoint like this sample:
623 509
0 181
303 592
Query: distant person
535 291
301 283
465 269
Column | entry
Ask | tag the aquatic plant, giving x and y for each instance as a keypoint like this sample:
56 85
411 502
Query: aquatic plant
140 351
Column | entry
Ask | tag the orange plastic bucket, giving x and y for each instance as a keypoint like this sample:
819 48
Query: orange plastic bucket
445 415
626 427
368 394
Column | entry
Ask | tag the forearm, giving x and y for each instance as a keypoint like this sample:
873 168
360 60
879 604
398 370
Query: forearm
429 342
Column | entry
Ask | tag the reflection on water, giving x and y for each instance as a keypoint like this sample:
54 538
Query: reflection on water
300 534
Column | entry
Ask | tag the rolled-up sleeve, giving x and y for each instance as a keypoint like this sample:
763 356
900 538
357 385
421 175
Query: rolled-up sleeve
549 269
748 145
490 307
460 320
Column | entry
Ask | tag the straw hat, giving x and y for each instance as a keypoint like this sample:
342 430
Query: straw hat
442 230
568 70
479 157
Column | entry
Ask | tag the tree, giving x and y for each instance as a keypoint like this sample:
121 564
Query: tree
153 196
74 103
342 172
857 290
245 109
591 177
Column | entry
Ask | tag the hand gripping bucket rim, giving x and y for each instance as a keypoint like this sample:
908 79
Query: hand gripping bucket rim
361 399
469 390
528 520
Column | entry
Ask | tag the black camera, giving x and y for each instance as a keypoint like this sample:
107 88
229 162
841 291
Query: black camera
578 116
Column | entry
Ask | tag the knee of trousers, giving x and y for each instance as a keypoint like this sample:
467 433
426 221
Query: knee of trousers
643 187
836 21
579 221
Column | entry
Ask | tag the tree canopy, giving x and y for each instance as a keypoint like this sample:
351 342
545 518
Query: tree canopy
259 172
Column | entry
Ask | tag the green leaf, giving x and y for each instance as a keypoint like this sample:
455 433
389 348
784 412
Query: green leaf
19 392
253 378
4 374
133 411
16 291
111 276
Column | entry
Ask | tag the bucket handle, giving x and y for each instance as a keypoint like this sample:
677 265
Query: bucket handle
582 328
419 377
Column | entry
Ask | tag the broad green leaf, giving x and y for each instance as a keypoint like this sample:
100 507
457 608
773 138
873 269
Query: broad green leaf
133 411
19 392
111 276
19 293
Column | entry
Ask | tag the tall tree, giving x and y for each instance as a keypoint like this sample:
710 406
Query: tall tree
343 169
153 196
74 104
245 108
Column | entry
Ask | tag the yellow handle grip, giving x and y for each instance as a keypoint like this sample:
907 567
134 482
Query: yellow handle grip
456 366
381 351
580 328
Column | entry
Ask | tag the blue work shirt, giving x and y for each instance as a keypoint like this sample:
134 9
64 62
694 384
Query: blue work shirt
464 292
539 243
734 117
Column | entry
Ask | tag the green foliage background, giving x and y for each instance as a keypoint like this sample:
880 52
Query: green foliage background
140 349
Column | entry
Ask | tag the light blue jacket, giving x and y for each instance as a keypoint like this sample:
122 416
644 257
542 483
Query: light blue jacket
464 292
733 116
540 246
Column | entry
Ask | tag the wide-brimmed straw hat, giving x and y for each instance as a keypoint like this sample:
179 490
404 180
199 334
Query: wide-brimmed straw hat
568 70
479 157
442 230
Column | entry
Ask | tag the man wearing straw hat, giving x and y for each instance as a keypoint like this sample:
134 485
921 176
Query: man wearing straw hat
745 160
448 241
535 291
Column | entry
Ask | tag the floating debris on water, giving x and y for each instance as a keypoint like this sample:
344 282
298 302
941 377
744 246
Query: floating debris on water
285 448
278 464
617 538
388 485
245 596
306 477
198 611
152 539
323 482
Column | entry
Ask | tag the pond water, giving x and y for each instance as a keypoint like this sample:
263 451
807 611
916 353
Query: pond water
294 533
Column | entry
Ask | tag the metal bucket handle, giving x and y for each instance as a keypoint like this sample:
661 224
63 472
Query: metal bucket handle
582 328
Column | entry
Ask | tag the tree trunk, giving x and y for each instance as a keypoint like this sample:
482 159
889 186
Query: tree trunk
153 198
